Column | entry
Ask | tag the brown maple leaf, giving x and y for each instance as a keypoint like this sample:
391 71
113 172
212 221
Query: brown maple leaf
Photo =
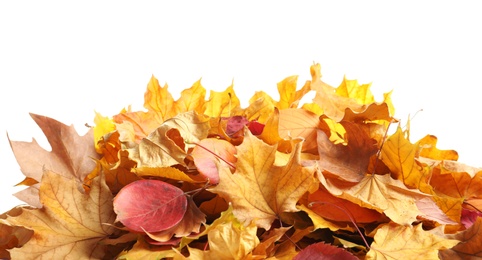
72 156
346 161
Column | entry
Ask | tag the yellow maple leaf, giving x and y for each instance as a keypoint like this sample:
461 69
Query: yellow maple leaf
264 190
393 241
221 104
351 89
191 99
70 223
158 99
398 154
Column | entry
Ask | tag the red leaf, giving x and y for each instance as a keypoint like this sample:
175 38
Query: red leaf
150 205
255 127
322 251
235 124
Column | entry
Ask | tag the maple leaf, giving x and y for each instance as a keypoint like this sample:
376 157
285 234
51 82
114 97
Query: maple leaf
222 104
412 242
12 236
289 96
429 150
71 223
469 246
163 147
294 122
381 193
398 154
228 238
350 161
264 190
191 99
72 156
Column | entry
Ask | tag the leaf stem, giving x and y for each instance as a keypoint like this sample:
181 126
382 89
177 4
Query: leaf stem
222 159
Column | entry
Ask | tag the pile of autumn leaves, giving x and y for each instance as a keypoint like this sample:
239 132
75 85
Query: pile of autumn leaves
207 179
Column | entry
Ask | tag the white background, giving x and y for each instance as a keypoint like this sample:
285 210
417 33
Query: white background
65 60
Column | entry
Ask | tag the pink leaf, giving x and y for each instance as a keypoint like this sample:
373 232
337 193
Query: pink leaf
322 251
235 124
150 205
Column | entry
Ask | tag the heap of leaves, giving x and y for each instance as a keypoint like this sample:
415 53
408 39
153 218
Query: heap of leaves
206 179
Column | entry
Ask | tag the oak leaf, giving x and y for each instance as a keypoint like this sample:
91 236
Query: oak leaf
70 223
72 156
264 190
394 241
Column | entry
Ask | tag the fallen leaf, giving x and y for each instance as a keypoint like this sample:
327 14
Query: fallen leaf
71 223
383 194
221 104
469 246
429 150
228 240
263 189
337 209
348 162
150 206
325 252
190 223
158 150
12 236
297 122
72 156
210 152
393 241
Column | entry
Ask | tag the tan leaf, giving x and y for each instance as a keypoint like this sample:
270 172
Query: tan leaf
264 190
71 156
71 223
393 241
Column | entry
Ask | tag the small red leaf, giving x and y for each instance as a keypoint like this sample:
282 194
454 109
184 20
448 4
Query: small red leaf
150 205
324 251
255 127
235 124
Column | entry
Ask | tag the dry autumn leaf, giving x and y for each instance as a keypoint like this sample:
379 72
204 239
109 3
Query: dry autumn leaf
208 179
72 156
264 190
70 223
412 242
